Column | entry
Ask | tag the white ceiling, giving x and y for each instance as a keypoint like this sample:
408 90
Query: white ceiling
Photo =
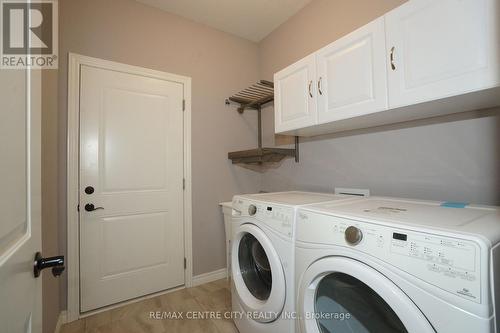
250 19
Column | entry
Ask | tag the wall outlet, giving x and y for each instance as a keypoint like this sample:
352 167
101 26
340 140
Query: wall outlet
360 192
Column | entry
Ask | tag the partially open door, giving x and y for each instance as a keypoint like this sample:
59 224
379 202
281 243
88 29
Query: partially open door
20 216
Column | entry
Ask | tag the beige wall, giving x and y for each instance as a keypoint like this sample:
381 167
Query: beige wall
50 232
438 159
451 158
50 242
316 25
218 63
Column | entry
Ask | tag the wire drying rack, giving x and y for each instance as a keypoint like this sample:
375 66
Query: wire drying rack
254 97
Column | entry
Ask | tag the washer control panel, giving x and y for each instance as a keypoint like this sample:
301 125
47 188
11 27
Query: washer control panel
277 217
449 263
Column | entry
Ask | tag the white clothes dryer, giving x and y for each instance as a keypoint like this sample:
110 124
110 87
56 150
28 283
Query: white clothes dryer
397 265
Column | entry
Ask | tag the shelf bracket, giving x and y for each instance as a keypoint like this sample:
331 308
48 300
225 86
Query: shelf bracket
297 149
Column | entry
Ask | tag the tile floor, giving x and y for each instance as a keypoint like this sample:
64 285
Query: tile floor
135 318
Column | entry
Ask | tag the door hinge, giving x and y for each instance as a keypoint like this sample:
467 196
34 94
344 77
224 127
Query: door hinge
183 105
185 263
183 183
78 208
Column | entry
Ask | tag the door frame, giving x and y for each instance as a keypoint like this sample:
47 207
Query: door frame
75 61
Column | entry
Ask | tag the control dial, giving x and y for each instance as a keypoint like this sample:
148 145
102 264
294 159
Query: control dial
252 209
353 235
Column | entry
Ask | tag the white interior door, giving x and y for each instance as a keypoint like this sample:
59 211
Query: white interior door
131 155
295 96
352 75
441 49
20 222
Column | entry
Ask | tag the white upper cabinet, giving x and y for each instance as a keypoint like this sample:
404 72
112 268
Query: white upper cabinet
424 59
438 49
352 74
295 96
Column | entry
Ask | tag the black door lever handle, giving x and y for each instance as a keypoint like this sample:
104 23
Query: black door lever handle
57 264
90 207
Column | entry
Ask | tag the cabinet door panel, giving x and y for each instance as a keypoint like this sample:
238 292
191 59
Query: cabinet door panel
352 76
441 48
295 100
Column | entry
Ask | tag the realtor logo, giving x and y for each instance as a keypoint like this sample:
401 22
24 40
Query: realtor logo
28 34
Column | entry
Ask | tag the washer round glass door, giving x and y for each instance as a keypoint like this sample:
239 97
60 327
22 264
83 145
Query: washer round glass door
257 273
341 295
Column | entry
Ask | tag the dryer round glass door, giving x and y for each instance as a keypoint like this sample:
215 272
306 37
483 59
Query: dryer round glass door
345 304
342 295
257 273
255 268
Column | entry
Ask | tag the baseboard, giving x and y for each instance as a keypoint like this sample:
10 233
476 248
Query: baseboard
61 320
209 277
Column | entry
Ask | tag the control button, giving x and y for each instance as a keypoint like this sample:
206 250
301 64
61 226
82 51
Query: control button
471 277
450 273
433 268
252 209
353 235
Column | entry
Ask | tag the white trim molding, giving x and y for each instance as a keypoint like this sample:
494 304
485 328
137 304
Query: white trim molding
75 61
209 277
61 320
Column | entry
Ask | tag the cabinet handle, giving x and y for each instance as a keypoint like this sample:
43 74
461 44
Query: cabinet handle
393 66
319 85
310 92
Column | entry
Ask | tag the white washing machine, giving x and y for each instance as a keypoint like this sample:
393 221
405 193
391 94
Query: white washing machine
397 265
262 259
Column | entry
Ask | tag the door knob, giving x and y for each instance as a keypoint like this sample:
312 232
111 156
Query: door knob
90 207
57 264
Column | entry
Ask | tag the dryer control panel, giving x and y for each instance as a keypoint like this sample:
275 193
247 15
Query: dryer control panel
449 263
452 257
277 217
